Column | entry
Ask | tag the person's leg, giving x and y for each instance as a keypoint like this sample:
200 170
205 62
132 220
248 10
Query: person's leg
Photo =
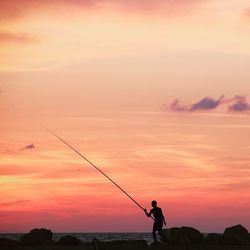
154 235
154 232
159 229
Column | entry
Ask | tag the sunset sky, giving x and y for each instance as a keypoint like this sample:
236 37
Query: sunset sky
154 92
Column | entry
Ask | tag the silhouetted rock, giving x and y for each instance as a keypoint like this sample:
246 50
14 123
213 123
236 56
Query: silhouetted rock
37 237
182 236
157 245
4 242
236 235
121 245
165 234
97 244
69 240
213 239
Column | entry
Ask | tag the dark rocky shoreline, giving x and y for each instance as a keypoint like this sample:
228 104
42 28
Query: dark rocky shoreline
184 238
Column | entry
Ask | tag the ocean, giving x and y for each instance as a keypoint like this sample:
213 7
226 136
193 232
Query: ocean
87 237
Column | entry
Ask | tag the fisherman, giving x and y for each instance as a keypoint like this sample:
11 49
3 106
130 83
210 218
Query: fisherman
158 217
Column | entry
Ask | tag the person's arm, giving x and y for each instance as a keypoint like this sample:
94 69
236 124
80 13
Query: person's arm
148 214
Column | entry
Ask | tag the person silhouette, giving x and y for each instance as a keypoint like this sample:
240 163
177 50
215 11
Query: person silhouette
158 217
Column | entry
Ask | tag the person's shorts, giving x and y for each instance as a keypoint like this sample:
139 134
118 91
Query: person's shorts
157 226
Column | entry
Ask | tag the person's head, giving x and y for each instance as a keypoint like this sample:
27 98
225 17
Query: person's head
154 203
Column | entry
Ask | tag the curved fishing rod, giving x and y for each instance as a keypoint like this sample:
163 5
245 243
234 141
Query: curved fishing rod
98 169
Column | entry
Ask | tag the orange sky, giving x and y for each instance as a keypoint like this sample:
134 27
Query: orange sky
103 74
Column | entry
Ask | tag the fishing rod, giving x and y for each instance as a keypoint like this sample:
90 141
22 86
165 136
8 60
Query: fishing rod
93 165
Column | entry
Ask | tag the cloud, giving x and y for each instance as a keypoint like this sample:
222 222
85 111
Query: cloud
176 106
28 147
16 151
7 37
15 203
247 13
152 5
206 103
16 9
235 104
240 104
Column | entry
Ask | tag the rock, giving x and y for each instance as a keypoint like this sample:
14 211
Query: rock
213 239
165 234
69 240
4 242
182 236
97 244
37 237
123 245
236 235
157 245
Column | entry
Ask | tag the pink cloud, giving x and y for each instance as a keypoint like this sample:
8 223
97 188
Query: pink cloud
17 38
247 13
9 170
170 8
14 203
17 8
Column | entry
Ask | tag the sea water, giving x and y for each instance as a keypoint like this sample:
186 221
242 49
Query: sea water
87 237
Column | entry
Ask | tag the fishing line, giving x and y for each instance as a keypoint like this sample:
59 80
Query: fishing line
93 165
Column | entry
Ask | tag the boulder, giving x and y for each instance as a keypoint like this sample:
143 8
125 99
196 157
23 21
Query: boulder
236 235
182 236
165 234
4 242
97 244
69 240
122 245
36 236
213 239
